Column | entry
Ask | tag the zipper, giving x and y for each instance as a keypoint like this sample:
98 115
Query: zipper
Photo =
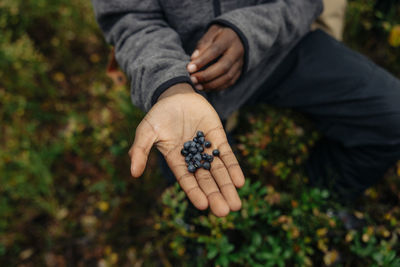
217 8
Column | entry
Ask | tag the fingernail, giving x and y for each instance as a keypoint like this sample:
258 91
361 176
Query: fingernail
194 79
195 53
192 67
199 87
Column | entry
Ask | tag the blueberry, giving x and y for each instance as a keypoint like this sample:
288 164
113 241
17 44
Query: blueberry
191 168
200 149
195 139
210 158
198 145
188 158
193 150
200 140
215 152
197 164
192 144
204 156
200 134
197 157
207 144
186 145
184 152
207 165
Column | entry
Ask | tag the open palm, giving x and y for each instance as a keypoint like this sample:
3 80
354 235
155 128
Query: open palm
175 120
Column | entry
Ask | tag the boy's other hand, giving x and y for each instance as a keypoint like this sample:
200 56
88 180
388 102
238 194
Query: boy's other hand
223 45
174 119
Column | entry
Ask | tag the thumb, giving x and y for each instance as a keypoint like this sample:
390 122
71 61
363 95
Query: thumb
139 152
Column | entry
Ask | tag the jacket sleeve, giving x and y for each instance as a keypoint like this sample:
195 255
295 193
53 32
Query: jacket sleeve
267 28
146 48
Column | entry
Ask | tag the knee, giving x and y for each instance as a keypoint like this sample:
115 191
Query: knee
397 129
387 110
392 130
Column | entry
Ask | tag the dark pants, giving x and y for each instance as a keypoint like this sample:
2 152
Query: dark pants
354 103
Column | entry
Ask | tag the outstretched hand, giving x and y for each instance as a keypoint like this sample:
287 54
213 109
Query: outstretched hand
174 119
223 45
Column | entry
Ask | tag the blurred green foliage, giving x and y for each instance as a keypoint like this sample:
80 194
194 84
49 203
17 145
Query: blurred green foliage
66 196
372 27
64 135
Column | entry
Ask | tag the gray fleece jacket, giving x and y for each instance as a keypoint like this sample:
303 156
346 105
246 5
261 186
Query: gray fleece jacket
154 38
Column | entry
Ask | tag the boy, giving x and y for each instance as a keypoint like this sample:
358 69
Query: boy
245 52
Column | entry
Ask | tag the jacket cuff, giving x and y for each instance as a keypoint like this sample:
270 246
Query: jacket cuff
165 85
242 37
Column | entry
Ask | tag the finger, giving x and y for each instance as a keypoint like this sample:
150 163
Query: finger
230 83
206 40
216 49
188 183
226 80
219 68
226 155
227 188
217 202
145 137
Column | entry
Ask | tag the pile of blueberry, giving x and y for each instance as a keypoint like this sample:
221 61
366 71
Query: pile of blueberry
193 153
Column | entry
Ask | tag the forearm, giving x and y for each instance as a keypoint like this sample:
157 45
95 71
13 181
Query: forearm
270 27
147 49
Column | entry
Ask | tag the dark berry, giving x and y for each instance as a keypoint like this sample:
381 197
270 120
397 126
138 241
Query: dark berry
193 150
198 145
195 139
200 149
193 144
197 157
191 168
207 144
210 158
184 152
197 164
215 152
200 134
204 156
188 158
200 140
207 165
186 145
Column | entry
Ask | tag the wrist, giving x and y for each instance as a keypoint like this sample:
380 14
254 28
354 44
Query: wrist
179 88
